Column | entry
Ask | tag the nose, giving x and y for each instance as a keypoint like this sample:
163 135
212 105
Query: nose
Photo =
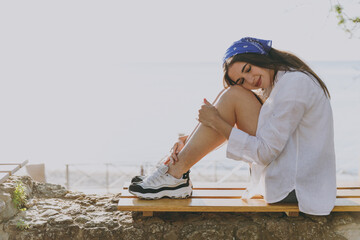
249 79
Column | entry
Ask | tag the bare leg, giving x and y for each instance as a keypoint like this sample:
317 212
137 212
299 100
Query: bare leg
236 106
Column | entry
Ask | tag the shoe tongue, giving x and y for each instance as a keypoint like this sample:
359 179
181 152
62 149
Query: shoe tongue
163 168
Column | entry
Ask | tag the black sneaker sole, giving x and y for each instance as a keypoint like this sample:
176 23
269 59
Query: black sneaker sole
180 193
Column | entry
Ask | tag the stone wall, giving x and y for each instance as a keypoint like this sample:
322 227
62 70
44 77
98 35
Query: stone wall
55 213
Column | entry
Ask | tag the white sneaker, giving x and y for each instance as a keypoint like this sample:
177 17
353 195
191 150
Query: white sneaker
160 184
140 178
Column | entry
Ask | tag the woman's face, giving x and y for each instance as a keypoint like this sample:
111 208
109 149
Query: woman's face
249 76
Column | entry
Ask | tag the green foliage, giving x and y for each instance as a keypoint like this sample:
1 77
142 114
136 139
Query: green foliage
339 11
22 225
19 196
348 24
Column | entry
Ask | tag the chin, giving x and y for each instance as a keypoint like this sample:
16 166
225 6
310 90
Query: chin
265 85
255 88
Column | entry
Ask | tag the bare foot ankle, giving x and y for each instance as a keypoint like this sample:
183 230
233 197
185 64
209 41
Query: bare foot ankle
174 172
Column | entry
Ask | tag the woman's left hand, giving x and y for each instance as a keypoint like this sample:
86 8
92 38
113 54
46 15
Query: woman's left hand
208 114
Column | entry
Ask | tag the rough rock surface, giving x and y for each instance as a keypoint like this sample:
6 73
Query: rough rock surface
55 213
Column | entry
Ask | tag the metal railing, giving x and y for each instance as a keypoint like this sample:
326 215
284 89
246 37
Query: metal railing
110 177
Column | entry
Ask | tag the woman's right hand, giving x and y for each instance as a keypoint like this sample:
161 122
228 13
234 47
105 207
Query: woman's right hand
176 149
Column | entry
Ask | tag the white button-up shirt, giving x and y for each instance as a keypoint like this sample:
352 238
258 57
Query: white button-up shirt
293 147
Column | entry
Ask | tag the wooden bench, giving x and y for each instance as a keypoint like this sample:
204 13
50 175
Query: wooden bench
8 169
226 197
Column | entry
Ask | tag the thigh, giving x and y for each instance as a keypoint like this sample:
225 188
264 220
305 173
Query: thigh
240 107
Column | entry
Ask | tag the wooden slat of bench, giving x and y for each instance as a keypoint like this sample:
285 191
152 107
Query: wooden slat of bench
223 205
348 193
348 185
3 177
209 197
341 193
201 193
203 205
347 205
242 186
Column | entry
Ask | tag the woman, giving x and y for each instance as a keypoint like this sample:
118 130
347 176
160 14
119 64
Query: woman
288 140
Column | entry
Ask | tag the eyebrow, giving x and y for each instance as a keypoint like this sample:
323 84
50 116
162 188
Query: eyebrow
242 70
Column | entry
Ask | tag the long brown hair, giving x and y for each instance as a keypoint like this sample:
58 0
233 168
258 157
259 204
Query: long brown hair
276 60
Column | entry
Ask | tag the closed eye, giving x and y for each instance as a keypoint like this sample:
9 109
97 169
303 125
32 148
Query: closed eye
241 80
249 69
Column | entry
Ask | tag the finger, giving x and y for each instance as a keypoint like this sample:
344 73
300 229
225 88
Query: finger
175 147
180 146
175 159
206 102
183 138
171 160
174 156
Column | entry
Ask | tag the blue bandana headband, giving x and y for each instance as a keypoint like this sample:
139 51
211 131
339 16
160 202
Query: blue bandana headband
248 45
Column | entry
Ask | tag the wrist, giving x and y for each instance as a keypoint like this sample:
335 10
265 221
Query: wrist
221 126
217 123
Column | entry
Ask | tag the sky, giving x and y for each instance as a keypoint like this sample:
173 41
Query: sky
52 50
110 32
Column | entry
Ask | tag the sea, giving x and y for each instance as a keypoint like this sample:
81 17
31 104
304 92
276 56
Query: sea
133 116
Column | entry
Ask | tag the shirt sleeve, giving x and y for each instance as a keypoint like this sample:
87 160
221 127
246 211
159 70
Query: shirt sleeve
289 106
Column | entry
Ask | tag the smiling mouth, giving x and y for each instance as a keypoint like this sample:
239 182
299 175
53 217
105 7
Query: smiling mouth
258 82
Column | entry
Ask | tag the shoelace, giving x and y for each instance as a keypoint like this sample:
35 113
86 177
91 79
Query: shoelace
213 103
164 161
155 178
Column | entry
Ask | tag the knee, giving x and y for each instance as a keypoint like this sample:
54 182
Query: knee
235 94
237 97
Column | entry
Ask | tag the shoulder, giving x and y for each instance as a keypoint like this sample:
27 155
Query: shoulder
296 79
296 86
